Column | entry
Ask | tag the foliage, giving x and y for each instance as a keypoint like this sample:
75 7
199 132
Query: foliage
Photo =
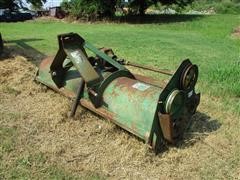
10 4
65 5
106 8
228 7
218 6
36 4
139 6
89 9
15 4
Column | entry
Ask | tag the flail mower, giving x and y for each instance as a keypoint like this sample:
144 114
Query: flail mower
155 111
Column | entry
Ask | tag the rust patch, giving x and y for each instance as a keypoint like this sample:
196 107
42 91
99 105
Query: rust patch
46 62
125 81
151 81
100 111
62 91
166 126
126 85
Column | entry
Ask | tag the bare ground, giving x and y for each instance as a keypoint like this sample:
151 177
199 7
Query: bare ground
89 144
236 32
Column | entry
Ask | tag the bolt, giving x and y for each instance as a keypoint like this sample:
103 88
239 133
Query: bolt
54 73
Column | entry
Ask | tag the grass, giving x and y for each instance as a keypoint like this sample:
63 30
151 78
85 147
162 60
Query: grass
206 40
31 165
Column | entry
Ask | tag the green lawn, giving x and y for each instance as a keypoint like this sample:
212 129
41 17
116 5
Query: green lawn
205 40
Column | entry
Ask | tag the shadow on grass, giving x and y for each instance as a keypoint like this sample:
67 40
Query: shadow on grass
201 126
158 19
20 47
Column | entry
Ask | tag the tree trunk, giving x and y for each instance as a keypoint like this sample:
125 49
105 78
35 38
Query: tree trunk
142 7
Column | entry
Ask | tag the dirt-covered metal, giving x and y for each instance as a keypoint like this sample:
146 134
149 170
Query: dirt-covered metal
155 111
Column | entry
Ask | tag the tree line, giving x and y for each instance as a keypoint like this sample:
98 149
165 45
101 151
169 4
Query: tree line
95 8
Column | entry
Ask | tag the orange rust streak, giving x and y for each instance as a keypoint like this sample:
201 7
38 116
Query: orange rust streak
166 126
100 111
47 61
151 81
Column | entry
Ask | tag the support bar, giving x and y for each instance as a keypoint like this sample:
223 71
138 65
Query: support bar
167 72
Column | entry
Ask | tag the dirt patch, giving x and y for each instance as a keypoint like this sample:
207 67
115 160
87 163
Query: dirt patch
89 143
236 32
